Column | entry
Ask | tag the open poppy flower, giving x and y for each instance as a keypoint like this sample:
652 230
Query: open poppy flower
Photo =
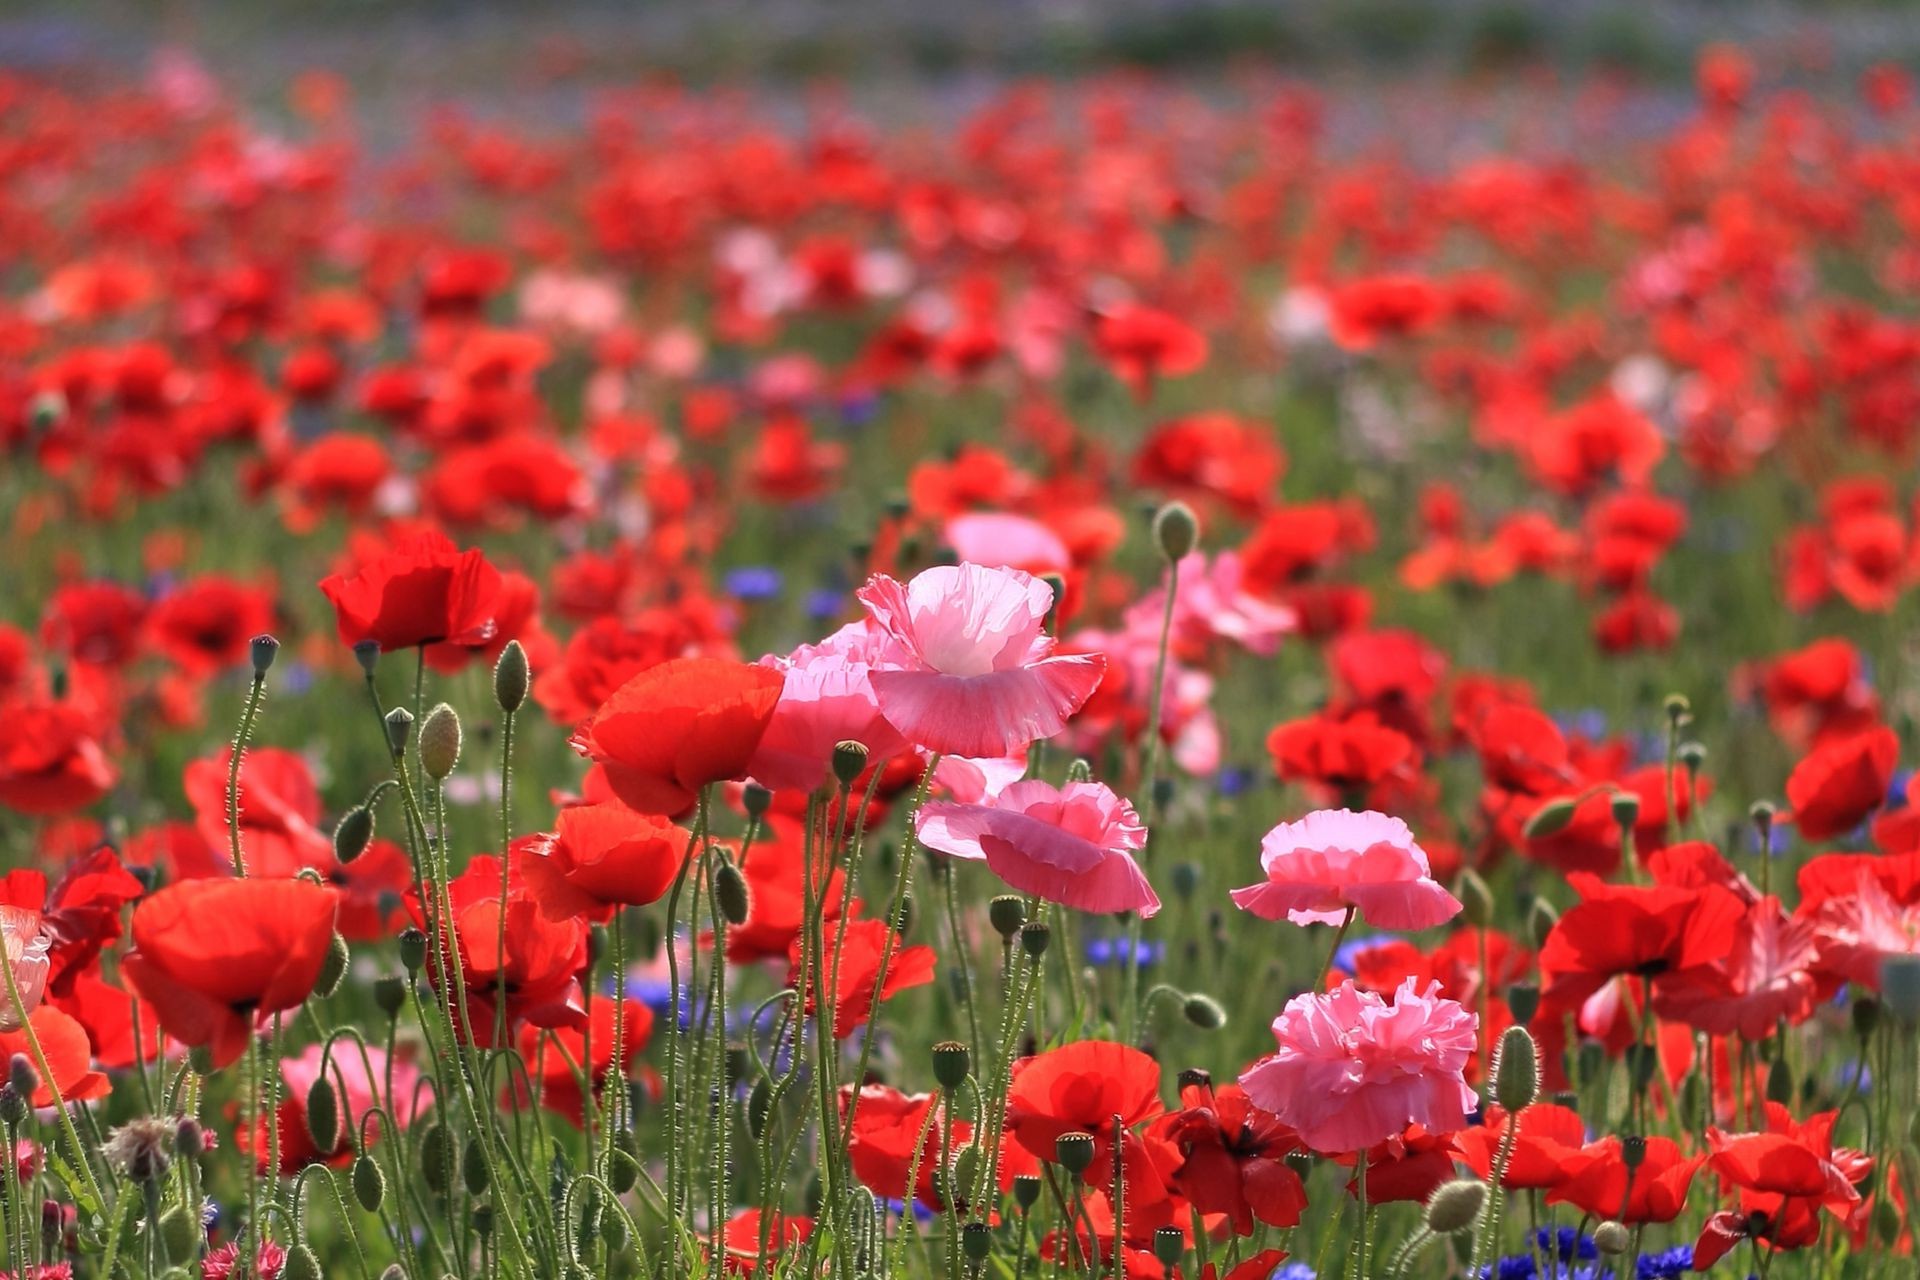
1080 1087
79 915
212 957
1546 1137
1334 860
601 856
423 590
50 760
69 1055
677 727
1599 1182
1840 783
1234 1158
854 960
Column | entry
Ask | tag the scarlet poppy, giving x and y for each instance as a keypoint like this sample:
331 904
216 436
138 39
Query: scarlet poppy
601 856
1600 1182
211 957
50 760
423 590
854 960
1840 783
1233 1158
558 1057
69 1055
80 914
1079 1088
679 726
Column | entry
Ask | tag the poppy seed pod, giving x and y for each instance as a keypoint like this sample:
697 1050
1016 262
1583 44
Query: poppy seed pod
440 742
849 761
262 649
1866 1016
1691 756
756 800
1007 913
1073 1151
511 677
1026 1190
1034 937
399 723
390 994
1678 709
1633 1150
976 1241
352 834
1176 530
367 654
952 1061
413 949
1550 819
1612 1239
1456 1205
1169 1246
1626 809
1516 1070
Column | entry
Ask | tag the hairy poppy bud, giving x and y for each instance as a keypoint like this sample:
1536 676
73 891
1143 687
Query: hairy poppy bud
1079 770
1007 913
399 729
300 1263
1612 1239
1074 1151
1550 819
413 949
952 1061
759 1105
1205 1012
333 969
1176 529
474 1170
1034 937
1476 900
1169 1246
323 1114
1516 1070
369 1184
1780 1082
440 742
625 1171
511 677
1455 1206
262 649
390 994
1626 809
22 1076
730 891
353 833
180 1234
849 761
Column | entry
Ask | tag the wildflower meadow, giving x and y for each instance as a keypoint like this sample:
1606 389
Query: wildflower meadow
1135 678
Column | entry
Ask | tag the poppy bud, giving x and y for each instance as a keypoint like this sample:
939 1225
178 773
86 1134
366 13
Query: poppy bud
1626 809
200 1058
483 1220
1058 585
1169 1246
390 994
624 1173
367 654
1523 1001
399 727
849 761
333 969
1007 913
1034 937
756 799
1026 1190
1779 1082
951 1063
1205 1012
1887 1222
1073 1151
1176 529
1900 985
511 677
1612 1239
21 1075
1516 1070
474 1170
1079 770
1678 709
1476 900
353 834
976 1241
180 1234
759 1103
730 891
1541 917
323 1114
1186 878
1691 756
440 742
1866 1016
300 1263
1455 1205
1642 1061
369 1184
413 949
1550 819
262 650
613 1232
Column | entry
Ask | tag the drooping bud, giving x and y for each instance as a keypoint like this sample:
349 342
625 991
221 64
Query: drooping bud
300 1264
849 761
952 1061
1541 917
1455 1205
262 650
399 729
474 1170
333 970
1612 1238
511 678
1516 1070
1204 1011
352 834
1476 900
1176 530
440 741
1080 770
369 1184
323 1114
1551 818
730 892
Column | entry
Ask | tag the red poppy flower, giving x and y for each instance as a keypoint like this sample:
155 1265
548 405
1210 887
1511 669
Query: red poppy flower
1840 783
1407 1166
211 957
95 622
855 959
1787 1173
80 913
1630 929
50 760
1349 755
1079 1088
207 623
69 1055
1233 1158
1547 1137
741 1240
679 726
601 856
1598 1181
423 590
1143 344
776 885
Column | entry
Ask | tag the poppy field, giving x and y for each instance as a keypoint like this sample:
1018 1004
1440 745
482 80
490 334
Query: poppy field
1145 681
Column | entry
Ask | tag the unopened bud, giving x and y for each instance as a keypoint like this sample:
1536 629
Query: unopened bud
1550 819
323 1115
1541 917
1516 1070
730 892
1523 1001
1176 529
1205 1012
22 1076
333 970
1612 1239
474 1170
440 742
1476 900
369 1184
1455 1205
352 834
300 1263
511 677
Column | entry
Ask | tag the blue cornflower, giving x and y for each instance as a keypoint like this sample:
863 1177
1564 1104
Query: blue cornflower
1106 951
754 582
1232 780
824 604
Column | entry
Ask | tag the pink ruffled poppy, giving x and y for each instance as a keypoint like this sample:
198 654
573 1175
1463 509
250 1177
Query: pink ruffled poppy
1073 845
973 672
1354 1070
1334 860
826 698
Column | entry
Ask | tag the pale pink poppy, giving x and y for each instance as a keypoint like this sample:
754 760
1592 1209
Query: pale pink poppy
1073 845
978 781
974 671
26 945
1003 538
1211 605
1336 859
1188 727
827 698
1353 1070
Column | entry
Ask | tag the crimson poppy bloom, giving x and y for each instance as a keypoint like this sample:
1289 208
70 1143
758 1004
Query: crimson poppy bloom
423 590
1598 1181
677 727
1786 1175
1143 344
601 856
1839 783
1547 1136
50 760
1345 755
1630 929
211 957
80 914
1233 1158
855 960
1079 1088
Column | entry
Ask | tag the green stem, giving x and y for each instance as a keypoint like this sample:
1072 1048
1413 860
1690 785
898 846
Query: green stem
233 772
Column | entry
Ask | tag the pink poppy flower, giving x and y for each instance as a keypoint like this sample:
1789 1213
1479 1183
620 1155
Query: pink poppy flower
24 945
974 673
1003 538
1073 845
1335 859
1354 1070
827 698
